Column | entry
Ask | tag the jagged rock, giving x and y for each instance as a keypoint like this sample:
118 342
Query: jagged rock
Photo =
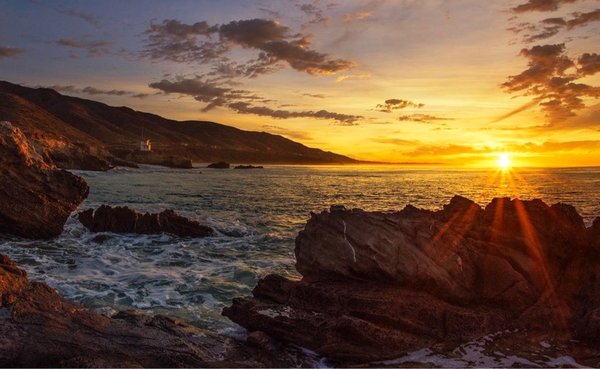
378 284
124 220
219 165
35 198
39 328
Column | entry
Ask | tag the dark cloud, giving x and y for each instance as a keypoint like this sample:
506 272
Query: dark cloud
341 119
215 95
176 41
204 91
588 64
552 26
395 104
89 90
9 52
93 47
540 5
581 19
551 79
422 118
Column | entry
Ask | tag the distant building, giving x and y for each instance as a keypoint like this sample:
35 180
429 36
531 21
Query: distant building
146 145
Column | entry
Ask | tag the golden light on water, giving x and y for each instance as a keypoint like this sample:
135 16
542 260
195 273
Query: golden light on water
504 161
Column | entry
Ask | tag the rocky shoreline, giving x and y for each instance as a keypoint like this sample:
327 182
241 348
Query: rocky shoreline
375 287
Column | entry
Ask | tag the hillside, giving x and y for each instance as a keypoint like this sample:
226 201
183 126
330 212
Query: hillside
82 125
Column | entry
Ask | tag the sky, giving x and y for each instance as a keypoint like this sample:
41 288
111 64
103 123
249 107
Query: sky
452 82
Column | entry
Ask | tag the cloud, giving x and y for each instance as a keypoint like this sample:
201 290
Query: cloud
551 79
540 5
89 90
87 17
316 96
552 26
395 104
204 91
362 14
422 118
287 132
215 95
275 43
341 119
316 14
9 52
93 47
396 141
342 78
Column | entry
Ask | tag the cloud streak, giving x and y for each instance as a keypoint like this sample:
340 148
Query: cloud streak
9 52
94 48
89 90
396 104
540 5
422 118
241 101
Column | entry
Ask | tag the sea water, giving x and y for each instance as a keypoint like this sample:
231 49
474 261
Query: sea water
257 215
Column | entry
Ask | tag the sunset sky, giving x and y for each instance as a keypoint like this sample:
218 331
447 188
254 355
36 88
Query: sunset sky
454 82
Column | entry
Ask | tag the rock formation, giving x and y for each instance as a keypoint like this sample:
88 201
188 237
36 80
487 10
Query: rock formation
35 198
124 220
376 285
219 165
38 328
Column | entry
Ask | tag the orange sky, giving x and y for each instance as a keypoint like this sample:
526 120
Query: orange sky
453 82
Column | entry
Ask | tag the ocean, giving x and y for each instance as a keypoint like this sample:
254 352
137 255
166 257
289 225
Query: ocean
257 215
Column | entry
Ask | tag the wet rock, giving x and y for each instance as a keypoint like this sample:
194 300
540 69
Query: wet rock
219 165
375 285
36 198
39 328
124 220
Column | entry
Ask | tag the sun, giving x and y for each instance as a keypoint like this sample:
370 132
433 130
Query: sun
504 161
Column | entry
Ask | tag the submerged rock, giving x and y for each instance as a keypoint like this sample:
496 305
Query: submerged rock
219 165
36 198
39 328
376 285
124 220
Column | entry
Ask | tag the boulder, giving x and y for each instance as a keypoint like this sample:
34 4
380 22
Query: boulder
219 165
35 198
124 220
39 328
378 284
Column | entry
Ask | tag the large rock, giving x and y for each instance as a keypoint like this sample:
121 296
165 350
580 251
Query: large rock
38 328
124 220
35 198
376 285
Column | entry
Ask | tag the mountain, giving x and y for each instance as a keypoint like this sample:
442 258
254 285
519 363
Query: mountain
82 134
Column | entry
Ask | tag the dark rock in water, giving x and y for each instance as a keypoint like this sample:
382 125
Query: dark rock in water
36 198
248 167
39 328
219 165
124 220
376 285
